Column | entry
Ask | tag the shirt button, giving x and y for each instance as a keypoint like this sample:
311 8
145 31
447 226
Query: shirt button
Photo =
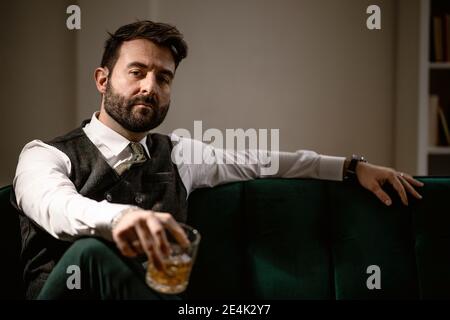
139 198
108 197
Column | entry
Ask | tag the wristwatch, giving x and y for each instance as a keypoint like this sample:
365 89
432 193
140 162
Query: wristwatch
121 214
350 173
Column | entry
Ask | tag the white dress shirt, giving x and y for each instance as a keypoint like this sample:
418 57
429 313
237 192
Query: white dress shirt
46 195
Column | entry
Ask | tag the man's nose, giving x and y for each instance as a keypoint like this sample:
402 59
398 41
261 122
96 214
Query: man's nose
149 84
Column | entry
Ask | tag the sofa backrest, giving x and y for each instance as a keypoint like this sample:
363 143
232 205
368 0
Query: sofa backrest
295 239
300 239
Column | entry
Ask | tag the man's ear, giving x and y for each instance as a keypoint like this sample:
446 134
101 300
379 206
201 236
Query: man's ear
101 79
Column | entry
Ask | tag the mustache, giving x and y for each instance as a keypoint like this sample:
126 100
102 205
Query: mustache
150 101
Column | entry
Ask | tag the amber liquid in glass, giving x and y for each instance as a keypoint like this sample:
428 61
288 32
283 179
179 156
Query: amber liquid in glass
174 279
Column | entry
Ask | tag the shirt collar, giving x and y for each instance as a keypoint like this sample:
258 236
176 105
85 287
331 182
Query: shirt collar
104 135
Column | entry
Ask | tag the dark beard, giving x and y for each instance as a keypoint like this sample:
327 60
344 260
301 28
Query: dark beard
121 110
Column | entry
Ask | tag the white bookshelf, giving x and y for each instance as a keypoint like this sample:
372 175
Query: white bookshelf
414 72
439 65
439 151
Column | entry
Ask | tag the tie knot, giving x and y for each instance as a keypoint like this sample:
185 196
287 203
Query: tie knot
137 156
136 148
138 152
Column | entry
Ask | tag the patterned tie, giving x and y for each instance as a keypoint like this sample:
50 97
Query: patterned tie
138 156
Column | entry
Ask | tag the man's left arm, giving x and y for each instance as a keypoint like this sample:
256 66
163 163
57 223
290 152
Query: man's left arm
369 176
219 166
201 165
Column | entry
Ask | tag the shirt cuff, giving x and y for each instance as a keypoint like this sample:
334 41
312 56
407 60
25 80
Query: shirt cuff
104 218
331 168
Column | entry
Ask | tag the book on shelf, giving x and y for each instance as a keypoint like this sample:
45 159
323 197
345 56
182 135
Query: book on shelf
438 39
433 118
440 35
438 123
444 125
446 39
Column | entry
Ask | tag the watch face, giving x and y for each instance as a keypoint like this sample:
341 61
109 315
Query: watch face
358 158
350 173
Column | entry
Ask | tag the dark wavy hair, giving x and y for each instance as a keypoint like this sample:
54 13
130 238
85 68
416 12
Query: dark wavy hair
162 34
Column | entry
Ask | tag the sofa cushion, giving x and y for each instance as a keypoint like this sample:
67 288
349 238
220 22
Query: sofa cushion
431 221
219 271
287 236
366 232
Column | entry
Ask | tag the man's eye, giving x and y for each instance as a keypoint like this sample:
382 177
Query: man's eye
164 79
135 73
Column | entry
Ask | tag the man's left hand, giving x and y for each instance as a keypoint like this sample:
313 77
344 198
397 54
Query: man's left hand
373 177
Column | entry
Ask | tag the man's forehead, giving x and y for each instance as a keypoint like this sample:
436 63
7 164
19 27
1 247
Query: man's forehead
146 52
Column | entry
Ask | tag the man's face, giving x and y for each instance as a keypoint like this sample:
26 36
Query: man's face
138 90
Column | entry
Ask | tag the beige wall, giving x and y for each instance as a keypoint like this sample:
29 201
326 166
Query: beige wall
37 79
310 68
307 67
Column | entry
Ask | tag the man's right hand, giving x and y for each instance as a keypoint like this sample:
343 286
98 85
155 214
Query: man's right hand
143 231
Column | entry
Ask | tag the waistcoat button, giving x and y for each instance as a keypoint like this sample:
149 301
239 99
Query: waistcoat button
139 198
108 197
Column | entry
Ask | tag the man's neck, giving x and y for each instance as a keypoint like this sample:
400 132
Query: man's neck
104 118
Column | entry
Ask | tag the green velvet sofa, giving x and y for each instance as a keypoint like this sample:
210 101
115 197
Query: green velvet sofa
301 239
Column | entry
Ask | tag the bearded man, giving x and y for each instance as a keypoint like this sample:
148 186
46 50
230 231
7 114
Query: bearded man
105 193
